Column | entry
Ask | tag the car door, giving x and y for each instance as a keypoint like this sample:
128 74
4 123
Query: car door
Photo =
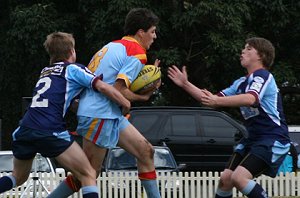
182 137
220 135
148 123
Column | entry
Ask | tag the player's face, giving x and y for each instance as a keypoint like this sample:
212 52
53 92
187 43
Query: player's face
147 38
249 56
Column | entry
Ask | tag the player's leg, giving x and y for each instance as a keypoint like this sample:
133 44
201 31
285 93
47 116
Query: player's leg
225 186
21 171
95 154
242 177
97 134
133 142
24 153
264 157
76 161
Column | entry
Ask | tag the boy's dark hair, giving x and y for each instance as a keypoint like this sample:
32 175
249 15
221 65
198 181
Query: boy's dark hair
139 18
59 45
265 50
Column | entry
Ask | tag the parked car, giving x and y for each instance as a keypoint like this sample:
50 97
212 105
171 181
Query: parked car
201 138
118 161
40 165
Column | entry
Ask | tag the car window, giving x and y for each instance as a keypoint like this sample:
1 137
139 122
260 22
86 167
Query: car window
119 159
181 125
6 163
163 159
42 165
144 123
217 127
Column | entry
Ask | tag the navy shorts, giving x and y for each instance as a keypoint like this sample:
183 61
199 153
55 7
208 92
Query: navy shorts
27 142
270 151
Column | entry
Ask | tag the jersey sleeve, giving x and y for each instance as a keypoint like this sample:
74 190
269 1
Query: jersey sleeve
130 70
258 84
80 75
233 89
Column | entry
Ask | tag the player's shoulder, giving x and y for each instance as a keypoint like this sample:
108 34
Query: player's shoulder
77 68
79 65
262 72
131 45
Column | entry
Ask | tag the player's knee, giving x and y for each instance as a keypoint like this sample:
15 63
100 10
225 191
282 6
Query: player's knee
149 151
92 173
20 180
225 180
145 153
236 179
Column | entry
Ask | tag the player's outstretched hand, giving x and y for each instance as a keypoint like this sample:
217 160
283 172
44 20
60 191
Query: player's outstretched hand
180 78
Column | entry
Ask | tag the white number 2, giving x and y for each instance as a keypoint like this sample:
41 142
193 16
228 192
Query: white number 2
44 102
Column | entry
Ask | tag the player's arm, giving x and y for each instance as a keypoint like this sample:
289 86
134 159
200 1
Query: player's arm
112 93
180 78
211 100
131 96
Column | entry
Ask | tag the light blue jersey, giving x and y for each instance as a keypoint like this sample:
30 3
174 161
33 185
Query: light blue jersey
265 119
122 59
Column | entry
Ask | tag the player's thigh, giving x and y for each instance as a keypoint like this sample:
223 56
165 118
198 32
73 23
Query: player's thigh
255 165
21 170
75 160
94 153
134 142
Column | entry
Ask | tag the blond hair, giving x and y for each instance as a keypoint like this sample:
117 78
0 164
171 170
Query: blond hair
59 46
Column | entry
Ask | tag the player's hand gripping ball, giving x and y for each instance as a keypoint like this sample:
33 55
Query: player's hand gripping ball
146 79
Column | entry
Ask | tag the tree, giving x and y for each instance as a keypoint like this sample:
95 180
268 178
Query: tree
205 35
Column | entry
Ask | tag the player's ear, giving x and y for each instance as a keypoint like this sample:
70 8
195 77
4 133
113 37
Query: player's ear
140 32
73 55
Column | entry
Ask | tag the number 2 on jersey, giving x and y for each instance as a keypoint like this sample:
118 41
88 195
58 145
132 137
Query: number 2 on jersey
44 102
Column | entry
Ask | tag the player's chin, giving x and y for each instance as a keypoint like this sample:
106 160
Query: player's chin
148 47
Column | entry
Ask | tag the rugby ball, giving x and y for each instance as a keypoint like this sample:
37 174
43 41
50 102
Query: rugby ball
146 78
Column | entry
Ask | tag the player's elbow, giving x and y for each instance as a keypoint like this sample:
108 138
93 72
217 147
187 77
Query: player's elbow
251 100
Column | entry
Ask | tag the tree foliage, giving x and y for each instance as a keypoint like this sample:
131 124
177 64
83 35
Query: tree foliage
207 36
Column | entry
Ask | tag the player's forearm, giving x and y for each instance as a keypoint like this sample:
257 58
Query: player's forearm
235 101
132 97
194 91
112 93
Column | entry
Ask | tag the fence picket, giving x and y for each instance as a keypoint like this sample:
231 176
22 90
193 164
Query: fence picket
172 185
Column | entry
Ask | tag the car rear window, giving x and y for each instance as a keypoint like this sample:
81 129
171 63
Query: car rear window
181 125
217 127
144 122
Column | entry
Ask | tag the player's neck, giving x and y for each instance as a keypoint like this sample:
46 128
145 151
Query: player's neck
254 67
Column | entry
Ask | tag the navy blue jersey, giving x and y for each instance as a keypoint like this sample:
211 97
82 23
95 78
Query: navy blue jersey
57 86
265 119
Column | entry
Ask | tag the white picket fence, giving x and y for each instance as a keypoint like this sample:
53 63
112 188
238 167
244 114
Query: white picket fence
172 185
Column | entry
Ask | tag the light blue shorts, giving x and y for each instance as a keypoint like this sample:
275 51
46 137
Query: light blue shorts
123 123
102 132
